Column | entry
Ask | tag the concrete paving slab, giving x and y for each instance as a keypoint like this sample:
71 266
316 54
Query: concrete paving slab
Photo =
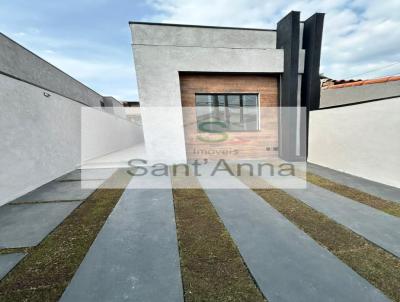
374 225
362 184
135 255
26 225
285 262
88 174
61 191
8 261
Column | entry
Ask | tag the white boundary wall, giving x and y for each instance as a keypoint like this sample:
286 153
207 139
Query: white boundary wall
40 137
103 133
363 140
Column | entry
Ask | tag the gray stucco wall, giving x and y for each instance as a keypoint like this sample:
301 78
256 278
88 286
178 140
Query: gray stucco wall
40 137
161 52
153 34
348 95
18 62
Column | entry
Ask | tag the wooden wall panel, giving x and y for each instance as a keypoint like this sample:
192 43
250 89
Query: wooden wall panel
260 144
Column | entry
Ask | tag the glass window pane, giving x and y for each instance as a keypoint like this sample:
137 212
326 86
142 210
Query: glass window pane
203 107
233 100
249 100
234 114
221 100
235 117
204 99
250 118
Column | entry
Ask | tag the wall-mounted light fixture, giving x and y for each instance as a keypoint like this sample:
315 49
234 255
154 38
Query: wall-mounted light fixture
46 94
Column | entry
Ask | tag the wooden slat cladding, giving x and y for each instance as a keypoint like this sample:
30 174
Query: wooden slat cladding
260 144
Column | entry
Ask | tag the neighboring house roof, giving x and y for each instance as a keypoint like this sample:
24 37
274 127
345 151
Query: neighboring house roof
328 82
334 84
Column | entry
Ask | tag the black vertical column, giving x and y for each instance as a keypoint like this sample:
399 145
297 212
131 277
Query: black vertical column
311 86
312 41
288 39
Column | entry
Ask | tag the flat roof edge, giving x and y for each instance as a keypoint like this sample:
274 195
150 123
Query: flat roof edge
48 63
199 26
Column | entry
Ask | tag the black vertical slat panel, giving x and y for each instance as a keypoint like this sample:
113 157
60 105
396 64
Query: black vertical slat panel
288 39
312 42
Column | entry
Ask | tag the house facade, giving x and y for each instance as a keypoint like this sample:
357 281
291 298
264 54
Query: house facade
209 92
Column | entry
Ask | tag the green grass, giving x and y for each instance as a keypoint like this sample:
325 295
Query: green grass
46 271
211 265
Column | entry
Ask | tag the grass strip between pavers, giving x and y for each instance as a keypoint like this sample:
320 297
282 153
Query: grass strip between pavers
379 267
211 266
387 206
48 268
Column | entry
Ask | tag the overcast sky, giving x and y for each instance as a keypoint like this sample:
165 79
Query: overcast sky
90 39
